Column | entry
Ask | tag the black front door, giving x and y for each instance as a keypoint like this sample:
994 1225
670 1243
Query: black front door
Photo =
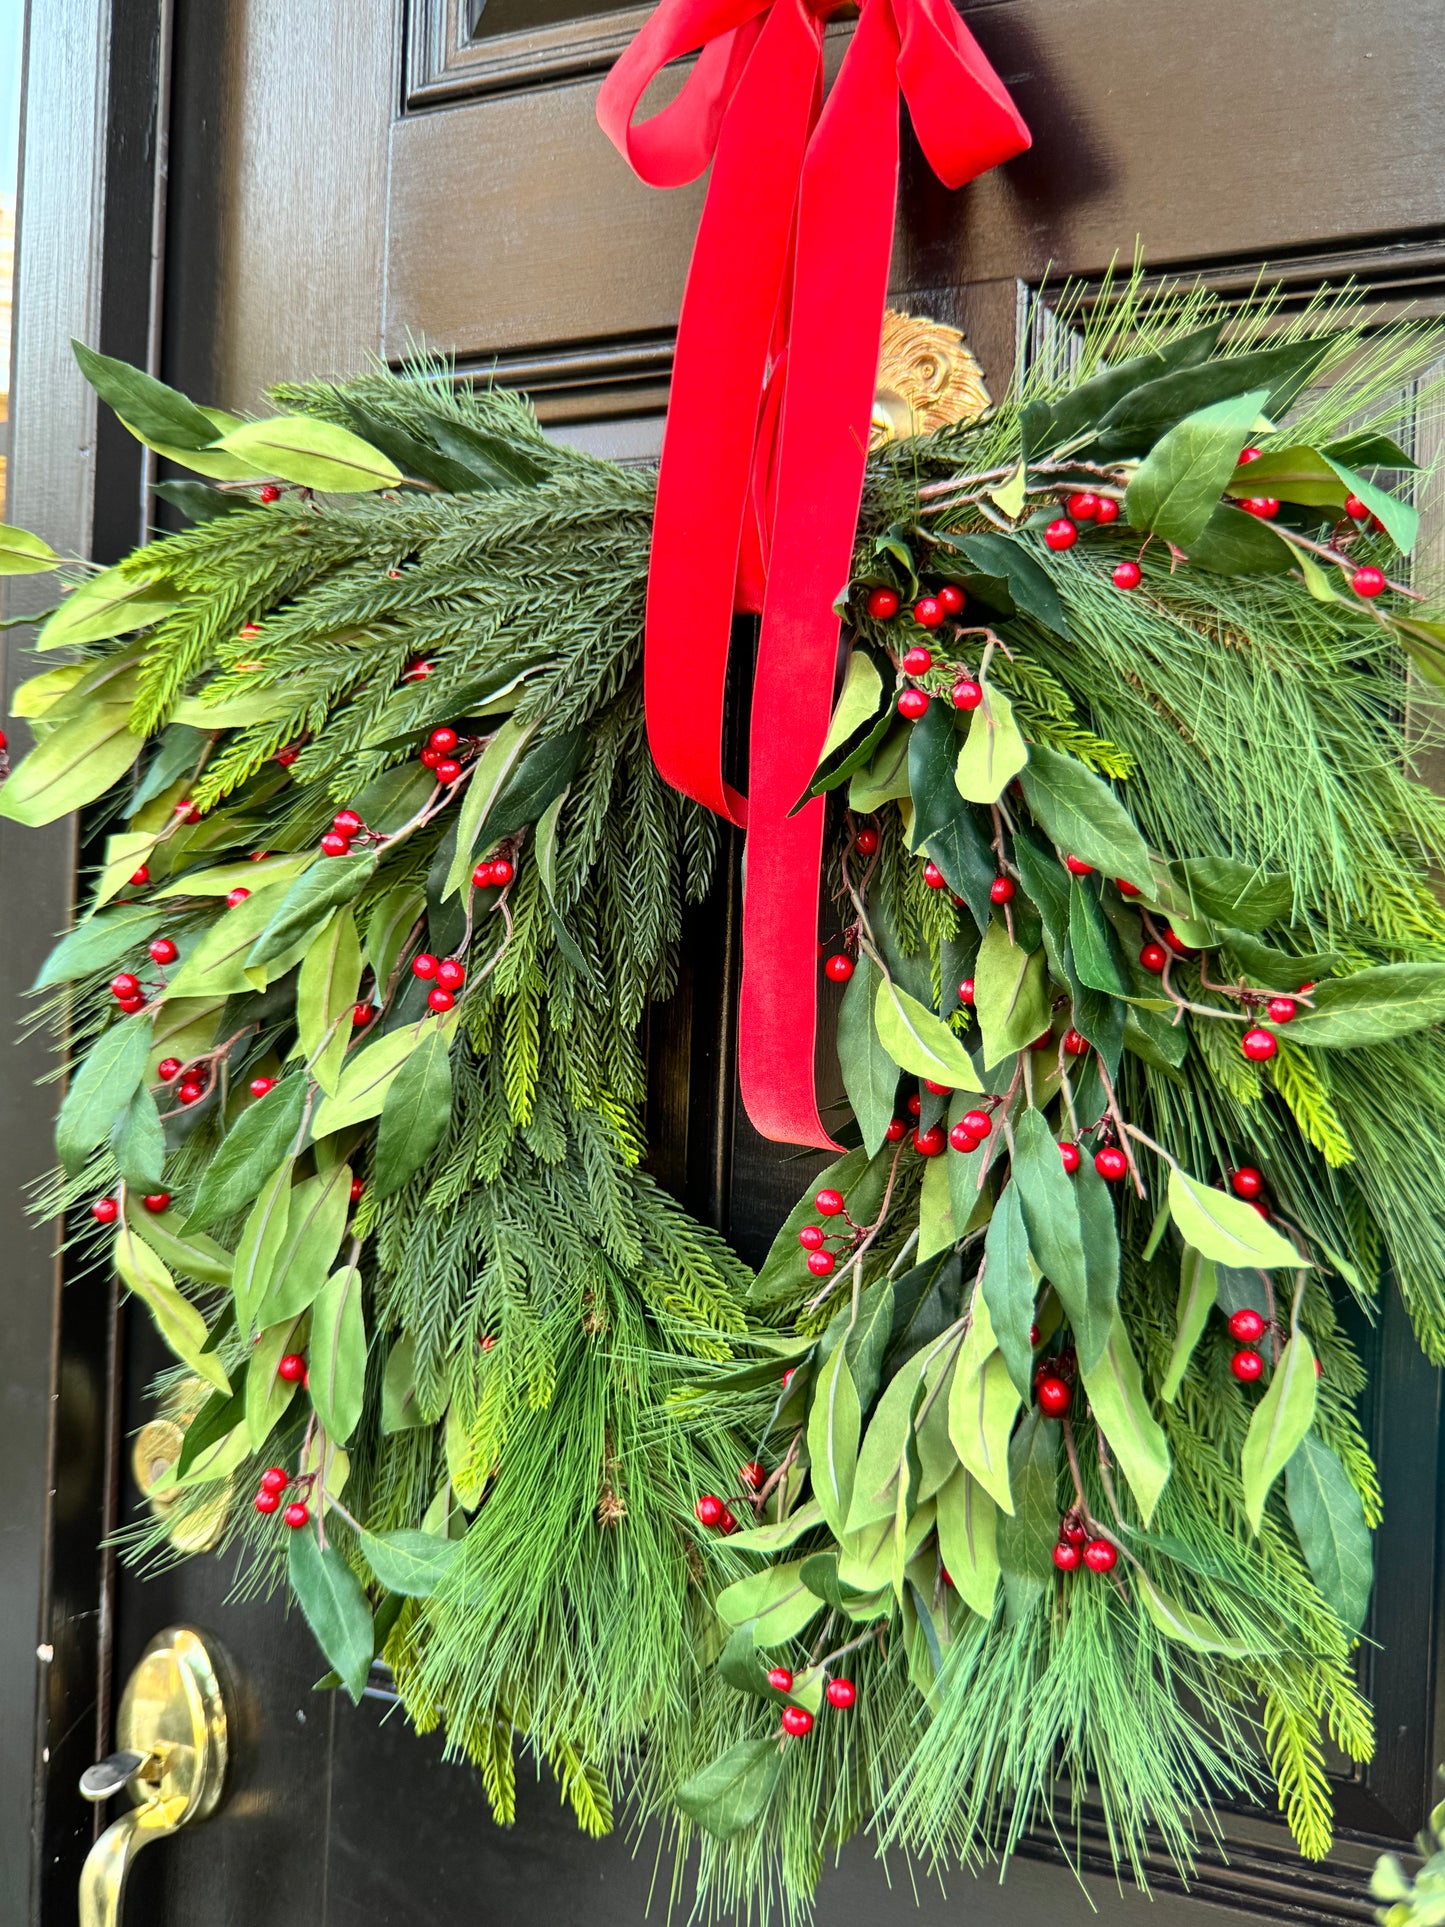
240 193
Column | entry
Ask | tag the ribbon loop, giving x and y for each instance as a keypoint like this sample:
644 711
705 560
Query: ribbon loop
766 445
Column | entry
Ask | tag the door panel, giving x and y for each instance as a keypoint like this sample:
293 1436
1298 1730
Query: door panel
343 179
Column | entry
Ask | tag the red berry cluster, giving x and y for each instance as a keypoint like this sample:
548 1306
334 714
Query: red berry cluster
1077 1546
815 1240
1247 1327
346 826
273 1483
797 1720
446 753
446 975
493 873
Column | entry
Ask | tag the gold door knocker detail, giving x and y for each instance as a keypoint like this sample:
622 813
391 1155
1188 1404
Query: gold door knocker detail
926 378
171 1749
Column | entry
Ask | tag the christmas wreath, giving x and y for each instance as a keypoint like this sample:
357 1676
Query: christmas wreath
1028 1466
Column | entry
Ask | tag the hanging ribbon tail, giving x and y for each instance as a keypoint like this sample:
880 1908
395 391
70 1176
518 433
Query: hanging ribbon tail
790 267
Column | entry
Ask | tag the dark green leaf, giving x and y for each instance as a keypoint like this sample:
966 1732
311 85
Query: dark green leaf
1135 423
220 1415
1029 583
1276 969
1083 816
399 1409
336 1357
1280 1422
865 1339
1400 520
488 456
1373 1006
1329 1522
1241 894
943 823
834 1427
317 891
1233 543
1093 944
415 1115
1101 1262
415 457
411 1564
1009 1286
99 942
330 1595
1198 1290
153 411
198 501
101 1090
1047 425
1011 997
1115 1388
1176 488
1368 449
734 1791
139 1142
1051 1216
1026 1538
249 1153
870 1076
743 1667
539 778
820 1575
926 1300
315 1225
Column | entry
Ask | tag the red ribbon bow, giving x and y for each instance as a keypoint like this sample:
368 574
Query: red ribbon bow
767 432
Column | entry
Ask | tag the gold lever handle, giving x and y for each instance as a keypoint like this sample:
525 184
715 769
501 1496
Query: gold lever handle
170 1757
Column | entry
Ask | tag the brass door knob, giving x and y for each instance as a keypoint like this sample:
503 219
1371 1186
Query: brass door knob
170 1757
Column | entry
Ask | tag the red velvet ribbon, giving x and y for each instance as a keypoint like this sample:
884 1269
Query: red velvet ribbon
767 431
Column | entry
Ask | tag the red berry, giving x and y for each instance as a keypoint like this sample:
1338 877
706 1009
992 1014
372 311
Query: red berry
820 1263
162 950
866 842
913 703
951 599
1083 507
915 1105
125 985
1368 582
440 999
347 821
417 671
191 1093
882 604
1002 890
1075 1044
1282 1010
168 1068
1177 944
268 493
838 969
1107 511
917 662
448 770
1033 1334
482 877
1246 1366
896 1131
787 1377
962 1139
141 876
727 1523
1125 887
1076 867
780 1679
928 612
275 1479
1054 1396
157 1201
1061 534
709 1510
286 757
130 1005
260 1086
1127 575
1110 1163
1247 1325
1356 509
938 1090
929 1143
811 1237
335 844
451 973
292 1368
430 757
187 809
977 1123
967 694
502 872
105 1211
966 991
752 1475
829 1202
933 876
1067 1557
1247 1182
1250 455
236 897
841 1693
296 1515
797 1721
1266 507
266 1500
1154 957
1043 1041
424 965
444 739
1259 1045
1100 1556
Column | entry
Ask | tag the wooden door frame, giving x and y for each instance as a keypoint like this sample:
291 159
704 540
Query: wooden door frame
90 208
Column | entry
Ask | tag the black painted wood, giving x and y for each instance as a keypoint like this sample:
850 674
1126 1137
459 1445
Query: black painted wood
337 176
